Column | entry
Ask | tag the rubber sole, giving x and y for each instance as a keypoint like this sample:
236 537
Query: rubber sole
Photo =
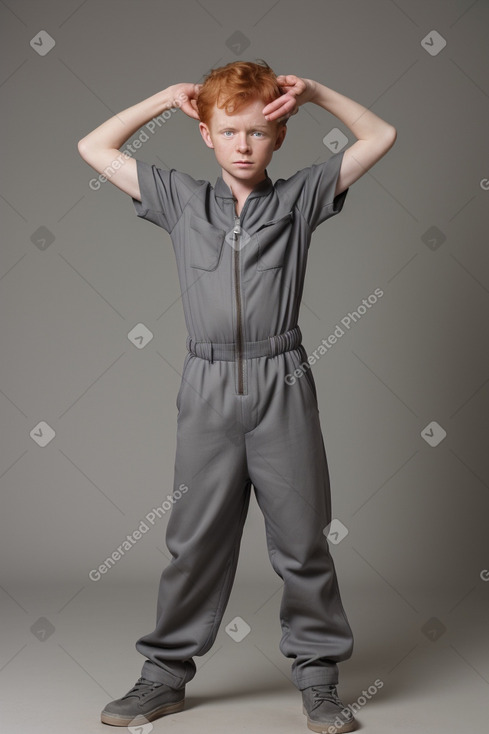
329 728
120 720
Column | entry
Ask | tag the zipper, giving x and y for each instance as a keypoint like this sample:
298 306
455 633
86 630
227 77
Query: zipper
239 311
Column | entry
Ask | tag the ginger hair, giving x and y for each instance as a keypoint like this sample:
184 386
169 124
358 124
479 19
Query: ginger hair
234 85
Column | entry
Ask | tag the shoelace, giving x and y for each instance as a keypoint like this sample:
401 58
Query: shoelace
326 693
136 689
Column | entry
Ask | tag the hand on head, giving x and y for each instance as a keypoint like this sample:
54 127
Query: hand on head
296 91
186 98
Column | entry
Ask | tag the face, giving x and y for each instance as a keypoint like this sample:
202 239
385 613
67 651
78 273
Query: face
243 142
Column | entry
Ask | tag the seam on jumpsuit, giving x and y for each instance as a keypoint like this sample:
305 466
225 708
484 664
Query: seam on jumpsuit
183 210
272 550
227 572
182 250
297 363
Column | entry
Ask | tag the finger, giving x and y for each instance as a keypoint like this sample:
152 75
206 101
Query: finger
276 104
288 115
272 106
284 79
275 114
283 111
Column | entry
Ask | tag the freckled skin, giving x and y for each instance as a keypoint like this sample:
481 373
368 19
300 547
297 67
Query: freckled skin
245 135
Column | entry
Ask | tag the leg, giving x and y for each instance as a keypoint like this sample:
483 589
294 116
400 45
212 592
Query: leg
287 465
204 529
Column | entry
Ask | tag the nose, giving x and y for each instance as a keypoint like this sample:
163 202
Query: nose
242 143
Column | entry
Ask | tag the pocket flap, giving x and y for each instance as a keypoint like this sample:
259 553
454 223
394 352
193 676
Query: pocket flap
273 238
205 243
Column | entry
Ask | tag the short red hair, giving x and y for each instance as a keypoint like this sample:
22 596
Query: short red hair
233 85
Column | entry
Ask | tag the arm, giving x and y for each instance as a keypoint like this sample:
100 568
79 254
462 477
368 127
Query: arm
100 148
374 136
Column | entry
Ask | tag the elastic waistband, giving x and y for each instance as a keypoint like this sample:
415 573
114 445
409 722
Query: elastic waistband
214 351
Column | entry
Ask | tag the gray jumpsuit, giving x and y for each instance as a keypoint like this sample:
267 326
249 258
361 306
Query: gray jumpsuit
240 423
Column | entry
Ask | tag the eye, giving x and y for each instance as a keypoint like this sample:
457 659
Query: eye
259 133
227 133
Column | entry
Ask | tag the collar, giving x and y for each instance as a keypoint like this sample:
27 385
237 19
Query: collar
263 188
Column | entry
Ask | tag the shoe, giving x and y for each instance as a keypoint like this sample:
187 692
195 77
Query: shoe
325 712
146 701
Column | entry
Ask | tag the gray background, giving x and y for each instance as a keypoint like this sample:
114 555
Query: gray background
412 568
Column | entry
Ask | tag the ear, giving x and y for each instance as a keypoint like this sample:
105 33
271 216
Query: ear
282 132
204 131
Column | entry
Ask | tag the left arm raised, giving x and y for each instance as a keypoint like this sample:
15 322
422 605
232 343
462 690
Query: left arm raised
374 136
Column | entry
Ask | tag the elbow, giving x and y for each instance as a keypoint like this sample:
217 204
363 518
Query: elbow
85 149
82 147
386 140
391 136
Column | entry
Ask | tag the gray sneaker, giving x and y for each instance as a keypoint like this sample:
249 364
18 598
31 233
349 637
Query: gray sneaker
146 701
325 712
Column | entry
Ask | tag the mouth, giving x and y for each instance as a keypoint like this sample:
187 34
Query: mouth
243 163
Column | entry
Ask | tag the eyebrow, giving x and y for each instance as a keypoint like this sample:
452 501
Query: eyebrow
260 126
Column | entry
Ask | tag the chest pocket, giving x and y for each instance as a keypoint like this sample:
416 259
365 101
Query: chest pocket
273 238
205 244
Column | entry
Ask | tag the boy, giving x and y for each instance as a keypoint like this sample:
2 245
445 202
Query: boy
241 249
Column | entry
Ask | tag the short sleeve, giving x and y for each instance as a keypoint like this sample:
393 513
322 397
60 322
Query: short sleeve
317 201
164 194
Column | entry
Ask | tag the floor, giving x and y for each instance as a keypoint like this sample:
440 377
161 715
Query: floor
65 653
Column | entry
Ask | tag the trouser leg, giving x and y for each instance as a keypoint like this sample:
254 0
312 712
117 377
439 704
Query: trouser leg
288 468
204 529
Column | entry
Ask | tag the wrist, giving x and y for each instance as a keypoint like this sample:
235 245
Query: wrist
314 91
166 99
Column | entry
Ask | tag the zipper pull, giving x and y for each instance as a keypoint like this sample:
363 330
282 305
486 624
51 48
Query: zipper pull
237 228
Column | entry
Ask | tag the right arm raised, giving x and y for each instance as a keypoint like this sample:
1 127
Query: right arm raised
100 148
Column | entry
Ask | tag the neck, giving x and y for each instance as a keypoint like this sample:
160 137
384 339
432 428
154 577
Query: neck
241 189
